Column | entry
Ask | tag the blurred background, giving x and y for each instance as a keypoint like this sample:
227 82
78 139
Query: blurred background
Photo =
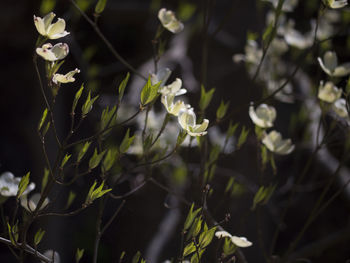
151 220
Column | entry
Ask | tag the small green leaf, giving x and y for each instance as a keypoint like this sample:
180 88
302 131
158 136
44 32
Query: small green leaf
136 257
42 120
95 159
77 97
206 237
231 129
108 117
122 87
191 216
205 98
45 179
96 193
70 199
190 248
229 185
228 248
242 137
23 184
110 158
47 127
122 255
149 92
65 159
221 111
127 141
87 107
83 151
181 137
79 254
38 236
259 196
100 6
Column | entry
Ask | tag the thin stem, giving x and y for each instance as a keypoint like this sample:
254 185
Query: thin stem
113 217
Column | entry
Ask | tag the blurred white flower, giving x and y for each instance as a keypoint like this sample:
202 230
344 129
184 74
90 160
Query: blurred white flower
263 116
53 53
329 64
286 94
238 241
52 255
273 141
171 107
328 92
339 107
288 5
9 185
49 30
65 78
187 120
296 39
335 3
173 89
161 76
31 203
169 21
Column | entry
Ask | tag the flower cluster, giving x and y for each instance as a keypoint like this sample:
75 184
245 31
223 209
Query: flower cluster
53 53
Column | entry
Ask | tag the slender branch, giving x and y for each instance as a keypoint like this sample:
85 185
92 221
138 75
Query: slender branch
113 217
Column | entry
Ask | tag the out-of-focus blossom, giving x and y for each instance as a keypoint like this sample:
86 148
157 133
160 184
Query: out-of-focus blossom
238 241
169 21
171 107
161 76
173 89
31 203
328 92
263 116
335 4
288 5
274 142
49 30
53 53
52 255
69 77
329 64
295 39
187 120
339 107
9 185
286 94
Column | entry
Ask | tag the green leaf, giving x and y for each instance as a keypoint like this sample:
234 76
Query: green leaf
45 179
122 87
206 237
231 129
149 92
242 137
268 34
122 255
79 254
38 236
42 120
190 217
47 127
229 185
110 158
194 258
95 159
221 111
70 199
259 196
205 98
127 141
87 107
100 6
228 248
65 159
136 257
23 184
181 137
106 117
83 151
77 97
190 248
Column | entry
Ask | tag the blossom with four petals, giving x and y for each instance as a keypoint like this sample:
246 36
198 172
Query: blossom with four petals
187 120
53 53
274 142
263 116
49 30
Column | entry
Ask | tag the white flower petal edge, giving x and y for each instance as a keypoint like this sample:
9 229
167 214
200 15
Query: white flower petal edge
330 66
339 107
328 92
241 241
169 21
49 30
31 203
53 53
263 116
51 254
171 107
65 78
173 89
9 185
222 234
161 76
273 141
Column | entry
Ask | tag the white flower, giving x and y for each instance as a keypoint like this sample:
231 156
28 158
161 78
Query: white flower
53 53
173 88
49 30
238 241
339 107
65 78
9 185
328 92
288 5
171 107
161 76
169 21
335 4
263 116
187 120
329 64
296 39
273 141
31 203
52 255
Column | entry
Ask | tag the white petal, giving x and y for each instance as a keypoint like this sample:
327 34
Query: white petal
241 241
330 60
221 234
39 24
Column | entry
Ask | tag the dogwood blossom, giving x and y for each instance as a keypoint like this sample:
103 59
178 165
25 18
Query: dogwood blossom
65 78
9 185
335 3
173 89
329 64
31 203
170 106
238 241
339 107
187 120
53 53
263 116
328 92
273 141
49 30
169 21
